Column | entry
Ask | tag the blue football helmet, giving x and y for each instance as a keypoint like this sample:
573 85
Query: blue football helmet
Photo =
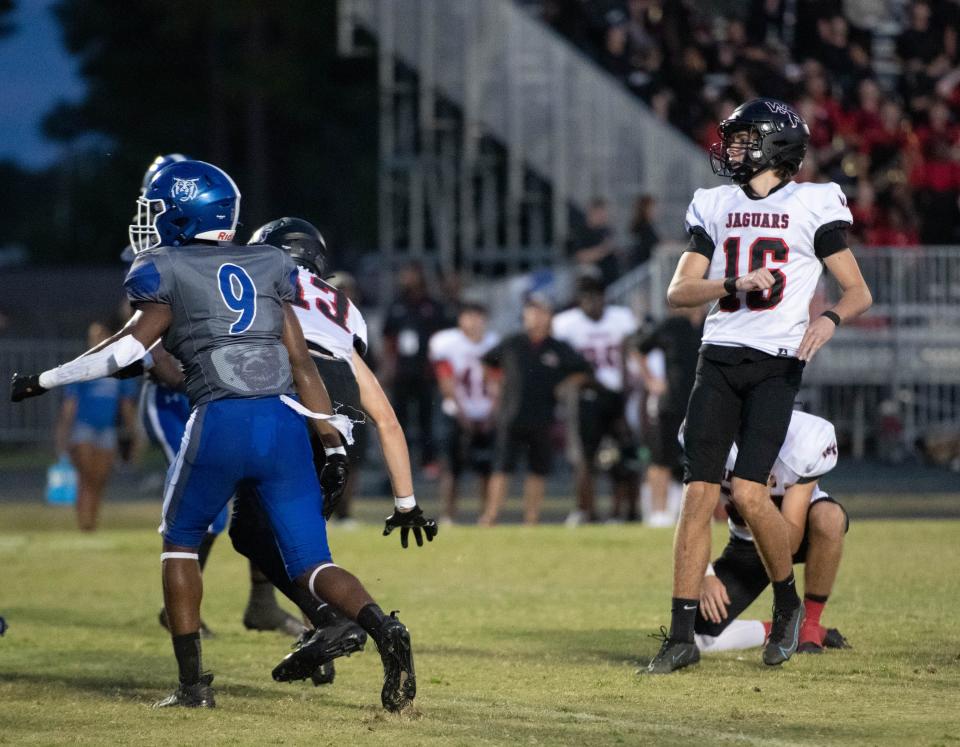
158 163
185 201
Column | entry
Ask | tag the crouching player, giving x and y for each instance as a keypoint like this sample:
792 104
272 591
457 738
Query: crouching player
817 526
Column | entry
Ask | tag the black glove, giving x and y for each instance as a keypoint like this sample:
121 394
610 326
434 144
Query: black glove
412 519
22 386
132 371
333 479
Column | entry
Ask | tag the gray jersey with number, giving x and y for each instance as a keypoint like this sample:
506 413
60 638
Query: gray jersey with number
227 304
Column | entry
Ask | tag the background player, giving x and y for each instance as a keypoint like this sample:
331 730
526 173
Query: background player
231 325
526 370
817 526
87 430
456 355
597 331
757 250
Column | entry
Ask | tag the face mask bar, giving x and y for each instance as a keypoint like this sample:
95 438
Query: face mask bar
752 152
143 231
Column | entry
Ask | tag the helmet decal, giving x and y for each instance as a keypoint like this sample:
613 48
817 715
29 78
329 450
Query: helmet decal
185 190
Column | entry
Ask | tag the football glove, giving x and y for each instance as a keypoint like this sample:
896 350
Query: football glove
22 387
412 519
333 479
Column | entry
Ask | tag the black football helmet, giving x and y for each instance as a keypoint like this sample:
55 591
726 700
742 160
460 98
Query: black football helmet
778 138
298 238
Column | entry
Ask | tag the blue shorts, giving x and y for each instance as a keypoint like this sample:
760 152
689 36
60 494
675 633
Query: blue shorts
259 442
164 413
102 438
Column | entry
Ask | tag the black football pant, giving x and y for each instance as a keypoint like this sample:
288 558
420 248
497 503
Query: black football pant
252 537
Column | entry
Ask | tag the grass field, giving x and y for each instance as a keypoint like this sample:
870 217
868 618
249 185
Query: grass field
522 636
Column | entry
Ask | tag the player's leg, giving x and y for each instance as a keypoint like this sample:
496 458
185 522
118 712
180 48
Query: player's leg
199 484
93 457
713 415
289 489
505 450
742 574
770 387
457 447
539 459
827 525
587 430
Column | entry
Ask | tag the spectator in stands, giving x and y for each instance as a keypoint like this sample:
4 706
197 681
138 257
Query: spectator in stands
524 373
86 429
411 320
593 243
644 237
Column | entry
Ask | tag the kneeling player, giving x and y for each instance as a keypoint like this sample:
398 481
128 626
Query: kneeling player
817 527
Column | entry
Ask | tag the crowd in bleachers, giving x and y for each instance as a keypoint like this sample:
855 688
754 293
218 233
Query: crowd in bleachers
878 81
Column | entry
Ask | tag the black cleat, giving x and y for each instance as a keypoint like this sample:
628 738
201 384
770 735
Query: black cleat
205 632
399 679
318 647
784 635
833 638
673 654
199 695
323 675
271 617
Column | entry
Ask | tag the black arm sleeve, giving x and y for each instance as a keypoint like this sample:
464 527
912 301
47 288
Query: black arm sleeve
830 238
700 242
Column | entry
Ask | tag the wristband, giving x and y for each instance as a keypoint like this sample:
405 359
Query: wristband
832 316
710 571
730 285
405 503
449 407
330 450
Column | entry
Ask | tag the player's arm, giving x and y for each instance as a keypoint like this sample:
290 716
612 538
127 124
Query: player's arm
407 515
313 393
690 286
392 440
795 506
855 299
714 598
124 348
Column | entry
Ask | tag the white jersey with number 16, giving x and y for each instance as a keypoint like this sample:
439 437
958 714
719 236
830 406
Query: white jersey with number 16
778 232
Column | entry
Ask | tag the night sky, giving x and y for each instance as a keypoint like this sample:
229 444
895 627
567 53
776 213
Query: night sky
35 72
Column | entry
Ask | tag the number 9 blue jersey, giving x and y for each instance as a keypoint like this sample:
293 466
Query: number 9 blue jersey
227 305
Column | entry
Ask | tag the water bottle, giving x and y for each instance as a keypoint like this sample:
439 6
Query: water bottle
62 483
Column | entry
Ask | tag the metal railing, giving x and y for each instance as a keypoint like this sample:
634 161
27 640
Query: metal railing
31 421
465 82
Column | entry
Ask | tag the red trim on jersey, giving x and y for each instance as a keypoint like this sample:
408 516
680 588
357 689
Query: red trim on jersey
443 370
776 272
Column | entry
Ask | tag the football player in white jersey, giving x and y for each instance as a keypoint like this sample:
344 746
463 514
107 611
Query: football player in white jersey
817 525
336 336
598 331
455 354
756 252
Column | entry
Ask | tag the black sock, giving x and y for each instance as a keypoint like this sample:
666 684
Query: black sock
187 650
819 598
683 614
323 615
785 593
206 544
261 594
370 618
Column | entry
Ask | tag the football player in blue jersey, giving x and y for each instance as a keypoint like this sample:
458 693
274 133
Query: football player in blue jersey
224 311
164 411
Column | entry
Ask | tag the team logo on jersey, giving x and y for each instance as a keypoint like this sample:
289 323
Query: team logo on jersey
778 108
185 190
